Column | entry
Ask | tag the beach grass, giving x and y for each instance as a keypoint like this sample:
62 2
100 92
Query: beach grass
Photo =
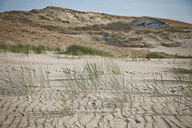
183 74
66 106
95 78
80 50
98 78
25 80
26 49
154 55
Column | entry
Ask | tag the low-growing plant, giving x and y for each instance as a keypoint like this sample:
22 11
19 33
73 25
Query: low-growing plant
19 48
82 50
154 55
39 49
3 47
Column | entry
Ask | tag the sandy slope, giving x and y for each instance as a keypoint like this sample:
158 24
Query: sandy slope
40 109
184 50
59 27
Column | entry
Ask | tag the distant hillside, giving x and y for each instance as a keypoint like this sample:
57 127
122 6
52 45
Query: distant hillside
61 27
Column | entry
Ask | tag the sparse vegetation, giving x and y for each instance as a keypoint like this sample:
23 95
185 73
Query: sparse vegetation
82 50
184 74
66 107
27 48
184 57
25 80
96 77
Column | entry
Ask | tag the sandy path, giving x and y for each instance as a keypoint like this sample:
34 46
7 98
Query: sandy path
41 109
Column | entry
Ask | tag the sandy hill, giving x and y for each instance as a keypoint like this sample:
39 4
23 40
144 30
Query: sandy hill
61 27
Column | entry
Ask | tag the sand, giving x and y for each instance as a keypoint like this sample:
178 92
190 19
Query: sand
42 109
184 50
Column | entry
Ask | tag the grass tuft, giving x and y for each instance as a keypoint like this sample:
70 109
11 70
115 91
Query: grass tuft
26 80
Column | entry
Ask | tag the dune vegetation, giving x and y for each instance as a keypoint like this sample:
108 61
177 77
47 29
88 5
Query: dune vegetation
27 48
82 50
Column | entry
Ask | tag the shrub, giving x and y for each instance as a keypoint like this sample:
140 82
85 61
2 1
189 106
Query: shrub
82 50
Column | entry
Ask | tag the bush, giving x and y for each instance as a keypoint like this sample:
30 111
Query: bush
82 50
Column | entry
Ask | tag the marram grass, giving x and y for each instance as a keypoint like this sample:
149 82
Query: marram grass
26 80
82 50
26 49
98 78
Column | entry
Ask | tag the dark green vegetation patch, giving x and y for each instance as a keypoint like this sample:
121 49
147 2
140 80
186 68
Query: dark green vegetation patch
154 55
82 50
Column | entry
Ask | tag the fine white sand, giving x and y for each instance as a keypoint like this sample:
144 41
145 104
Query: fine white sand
41 109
